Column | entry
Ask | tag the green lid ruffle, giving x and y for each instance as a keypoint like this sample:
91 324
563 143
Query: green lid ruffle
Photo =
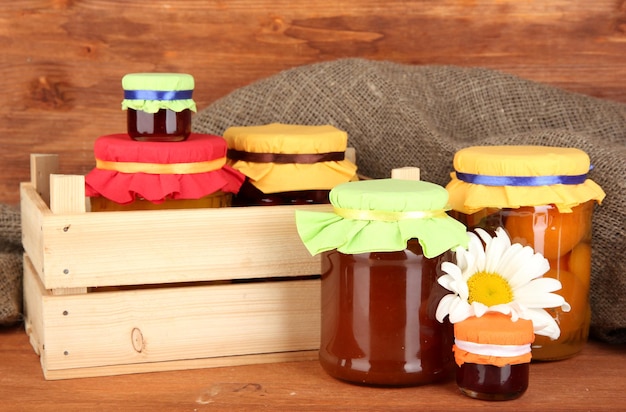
379 199
158 82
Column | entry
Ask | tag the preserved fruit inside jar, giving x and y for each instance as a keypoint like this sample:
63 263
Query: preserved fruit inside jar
493 383
378 318
163 126
158 106
249 195
565 240
218 199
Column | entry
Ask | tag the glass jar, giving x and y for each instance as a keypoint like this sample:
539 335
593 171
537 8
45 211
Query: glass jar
379 281
493 356
132 175
217 199
250 195
493 383
288 164
542 197
378 323
158 106
165 125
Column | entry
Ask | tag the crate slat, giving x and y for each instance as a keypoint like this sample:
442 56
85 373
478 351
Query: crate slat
135 330
149 247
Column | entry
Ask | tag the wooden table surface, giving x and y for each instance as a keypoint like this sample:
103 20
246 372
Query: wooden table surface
594 380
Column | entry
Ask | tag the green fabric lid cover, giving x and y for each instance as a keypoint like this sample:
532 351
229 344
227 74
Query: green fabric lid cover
150 92
381 215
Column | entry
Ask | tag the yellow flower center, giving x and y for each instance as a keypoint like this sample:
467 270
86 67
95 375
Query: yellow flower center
489 289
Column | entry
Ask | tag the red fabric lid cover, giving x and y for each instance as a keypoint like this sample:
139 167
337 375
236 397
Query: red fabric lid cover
124 188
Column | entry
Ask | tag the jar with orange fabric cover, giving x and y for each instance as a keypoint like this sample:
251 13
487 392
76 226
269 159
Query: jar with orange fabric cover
543 198
288 164
493 353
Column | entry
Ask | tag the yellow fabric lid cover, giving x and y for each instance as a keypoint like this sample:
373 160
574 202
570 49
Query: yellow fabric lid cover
150 92
514 176
282 157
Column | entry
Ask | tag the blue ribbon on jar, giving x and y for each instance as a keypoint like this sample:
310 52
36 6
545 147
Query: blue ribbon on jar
490 180
158 94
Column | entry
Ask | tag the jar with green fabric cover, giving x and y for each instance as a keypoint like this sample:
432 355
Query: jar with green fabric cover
381 251
158 106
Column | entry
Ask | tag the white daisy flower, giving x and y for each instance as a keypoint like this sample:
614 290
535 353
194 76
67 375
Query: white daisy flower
501 277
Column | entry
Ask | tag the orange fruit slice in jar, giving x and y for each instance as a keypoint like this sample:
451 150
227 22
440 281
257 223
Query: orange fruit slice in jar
561 263
547 230
579 263
575 293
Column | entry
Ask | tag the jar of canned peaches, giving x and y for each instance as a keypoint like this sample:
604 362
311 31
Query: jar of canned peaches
543 198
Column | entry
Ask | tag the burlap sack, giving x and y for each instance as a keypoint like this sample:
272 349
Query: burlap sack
10 265
402 115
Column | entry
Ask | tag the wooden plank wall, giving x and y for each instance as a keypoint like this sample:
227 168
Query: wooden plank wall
61 61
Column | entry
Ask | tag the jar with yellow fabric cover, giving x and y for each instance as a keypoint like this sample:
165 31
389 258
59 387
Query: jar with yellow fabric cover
158 106
543 198
287 164
381 252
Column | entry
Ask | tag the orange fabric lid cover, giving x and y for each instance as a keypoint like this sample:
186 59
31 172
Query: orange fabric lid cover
493 339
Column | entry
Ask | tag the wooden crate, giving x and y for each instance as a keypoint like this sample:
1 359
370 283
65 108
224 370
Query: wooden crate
122 292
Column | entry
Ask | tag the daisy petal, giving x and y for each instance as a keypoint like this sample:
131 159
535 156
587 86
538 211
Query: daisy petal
544 284
505 309
535 300
459 311
443 308
446 281
544 324
479 309
534 266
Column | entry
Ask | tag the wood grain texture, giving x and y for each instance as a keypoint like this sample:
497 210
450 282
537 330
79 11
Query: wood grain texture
61 61
591 381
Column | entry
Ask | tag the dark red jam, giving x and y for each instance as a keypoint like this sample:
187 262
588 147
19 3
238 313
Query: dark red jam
163 126
249 195
378 318
490 382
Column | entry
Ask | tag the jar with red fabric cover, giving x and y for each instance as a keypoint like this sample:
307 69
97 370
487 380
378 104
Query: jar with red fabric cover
134 175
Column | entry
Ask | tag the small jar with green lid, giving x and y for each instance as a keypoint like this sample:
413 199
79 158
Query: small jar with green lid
381 252
543 198
158 106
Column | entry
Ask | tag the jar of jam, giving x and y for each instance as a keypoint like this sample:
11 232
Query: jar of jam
132 175
543 198
381 251
493 356
288 164
158 106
